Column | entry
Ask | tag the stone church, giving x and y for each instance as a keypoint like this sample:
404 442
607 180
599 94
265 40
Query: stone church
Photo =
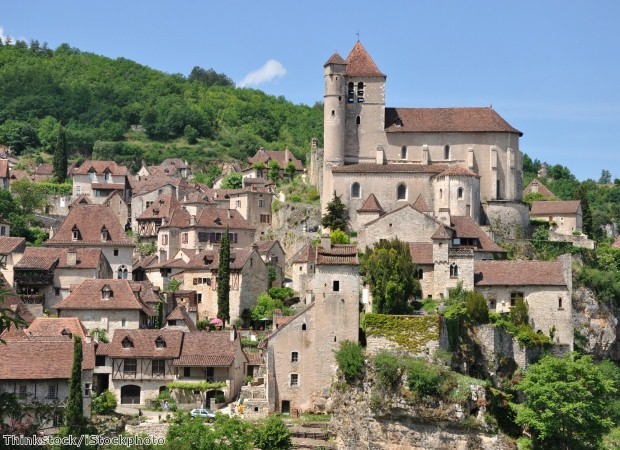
461 161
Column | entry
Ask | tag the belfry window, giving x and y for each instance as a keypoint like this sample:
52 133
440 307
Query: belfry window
401 192
403 152
355 190
360 92
351 92
446 152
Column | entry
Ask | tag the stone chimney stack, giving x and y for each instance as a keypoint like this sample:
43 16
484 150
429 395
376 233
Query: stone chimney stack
380 156
326 241
287 156
51 232
425 155
71 257
192 219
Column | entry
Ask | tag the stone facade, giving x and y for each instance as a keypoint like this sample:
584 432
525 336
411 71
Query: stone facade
107 320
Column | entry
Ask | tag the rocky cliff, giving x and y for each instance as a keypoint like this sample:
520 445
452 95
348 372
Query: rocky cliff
596 325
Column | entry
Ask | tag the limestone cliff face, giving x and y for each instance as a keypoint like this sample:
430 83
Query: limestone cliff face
362 420
596 325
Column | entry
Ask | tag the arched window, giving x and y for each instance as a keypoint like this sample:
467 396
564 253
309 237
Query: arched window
303 327
127 343
358 120
351 92
440 193
355 190
403 152
454 270
459 193
401 192
122 272
420 274
446 152
360 92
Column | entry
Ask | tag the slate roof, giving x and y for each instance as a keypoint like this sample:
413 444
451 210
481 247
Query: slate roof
265 156
100 167
11 244
390 168
360 64
207 349
421 252
536 186
518 273
54 326
440 120
465 227
340 254
45 257
88 295
559 207
371 205
144 344
83 217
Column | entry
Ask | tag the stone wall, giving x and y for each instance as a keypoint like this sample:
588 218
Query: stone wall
580 240
414 335
508 220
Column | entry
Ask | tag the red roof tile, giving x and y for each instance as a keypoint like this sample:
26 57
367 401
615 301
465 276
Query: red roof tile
457 170
144 344
421 205
162 207
390 168
465 227
254 358
265 156
519 273
371 205
441 233
559 207
210 217
536 186
334 59
306 254
45 257
101 167
55 326
180 313
360 64
12 244
207 349
421 252
345 255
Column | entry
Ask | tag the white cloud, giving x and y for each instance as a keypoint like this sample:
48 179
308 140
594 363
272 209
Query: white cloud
270 71
13 38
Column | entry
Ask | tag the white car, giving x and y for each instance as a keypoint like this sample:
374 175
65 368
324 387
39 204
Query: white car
202 412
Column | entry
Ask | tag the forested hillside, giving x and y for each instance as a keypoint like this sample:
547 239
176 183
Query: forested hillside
201 117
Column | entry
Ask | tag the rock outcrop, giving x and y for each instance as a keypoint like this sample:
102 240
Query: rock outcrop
596 325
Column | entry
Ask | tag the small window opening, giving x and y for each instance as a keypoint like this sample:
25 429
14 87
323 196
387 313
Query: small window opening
336 285
459 193
454 270
401 192
358 120
446 152
355 190
127 343
303 327
403 152
294 356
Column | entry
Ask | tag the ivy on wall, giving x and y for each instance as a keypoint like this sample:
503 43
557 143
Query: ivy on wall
412 333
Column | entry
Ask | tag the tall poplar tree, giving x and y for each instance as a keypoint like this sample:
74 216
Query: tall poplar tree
60 162
74 413
223 280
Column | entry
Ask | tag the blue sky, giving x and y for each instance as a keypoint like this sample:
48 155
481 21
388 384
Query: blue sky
550 68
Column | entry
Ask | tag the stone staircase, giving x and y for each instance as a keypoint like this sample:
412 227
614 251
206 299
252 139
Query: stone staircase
311 435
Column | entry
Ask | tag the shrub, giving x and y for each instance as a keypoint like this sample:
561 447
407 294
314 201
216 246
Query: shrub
104 403
476 307
520 312
388 369
273 434
423 379
350 358
294 198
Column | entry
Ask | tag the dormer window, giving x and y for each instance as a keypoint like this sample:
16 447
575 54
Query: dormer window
106 293
75 231
107 176
104 233
160 343
91 175
127 343
66 332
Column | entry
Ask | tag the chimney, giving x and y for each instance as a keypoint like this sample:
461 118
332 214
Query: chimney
51 232
380 155
276 313
88 338
228 211
287 156
425 155
326 242
192 219
71 257
255 247
95 336
233 334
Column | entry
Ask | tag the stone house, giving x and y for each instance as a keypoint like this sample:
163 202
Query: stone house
147 192
97 180
25 372
106 305
179 319
154 215
141 363
464 159
273 255
546 286
299 355
566 215
214 357
170 167
45 275
11 252
79 229
302 269
249 277
161 273
254 205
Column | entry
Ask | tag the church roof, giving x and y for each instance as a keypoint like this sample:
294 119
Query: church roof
390 168
334 59
421 205
439 120
371 205
456 170
360 64
441 233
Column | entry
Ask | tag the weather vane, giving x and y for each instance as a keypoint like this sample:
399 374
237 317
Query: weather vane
358 34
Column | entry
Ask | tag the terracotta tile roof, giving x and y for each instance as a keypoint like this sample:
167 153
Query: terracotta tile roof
338 255
180 313
102 349
177 263
536 186
394 211
334 59
360 64
518 273
162 207
88 295
82 199
254 358
457 170
441 233
465 227
145 262
101 167
438 120
559 207
175 162
15 174
265 342
44 169
144 344
390 168
56 364
11 301
306 254
207 349
421 252
238 259
210 217
371 205
55 326
146 292
45 257
108 186
11 244
265 156
282 320
265 246
153 183
421 205
90 230
253 180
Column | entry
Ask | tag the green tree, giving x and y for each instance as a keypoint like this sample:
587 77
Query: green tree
534 197
519 314
159 318
274 171
290 170
265 305
605 177
29 197
223 279
74 412
273 434
391 274
104 403
586 214
209 77
477 307
336 216
60 162
350 358
234 180
191 134
338 236
565 404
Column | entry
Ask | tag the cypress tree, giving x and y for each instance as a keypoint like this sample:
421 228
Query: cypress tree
74 415
223 280
60 162
336 216
159 319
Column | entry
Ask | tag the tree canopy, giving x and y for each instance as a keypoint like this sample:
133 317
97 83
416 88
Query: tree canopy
337 215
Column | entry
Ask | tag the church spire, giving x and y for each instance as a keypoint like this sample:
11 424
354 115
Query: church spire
360 64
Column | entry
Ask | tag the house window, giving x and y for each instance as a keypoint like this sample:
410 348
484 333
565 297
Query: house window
198 298
78 190
104 234
459 193
122 272
164 239
492 303
56 292
115 252
294 356
238 204
123 323
336 285
403 152
51 391
560 303
265 218
420 274
358 120
294 379
148 204
355 190
87 389
106 293
401 192
446 152
454 270
184 238
261 202
159 367
360 92
127 343
2 230
130 365
100 360
91 175
106 176
160 343
514 296
23 391
187 371
75 233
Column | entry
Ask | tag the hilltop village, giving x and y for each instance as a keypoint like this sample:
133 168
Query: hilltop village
133 262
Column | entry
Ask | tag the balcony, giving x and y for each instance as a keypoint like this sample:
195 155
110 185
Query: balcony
32 299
